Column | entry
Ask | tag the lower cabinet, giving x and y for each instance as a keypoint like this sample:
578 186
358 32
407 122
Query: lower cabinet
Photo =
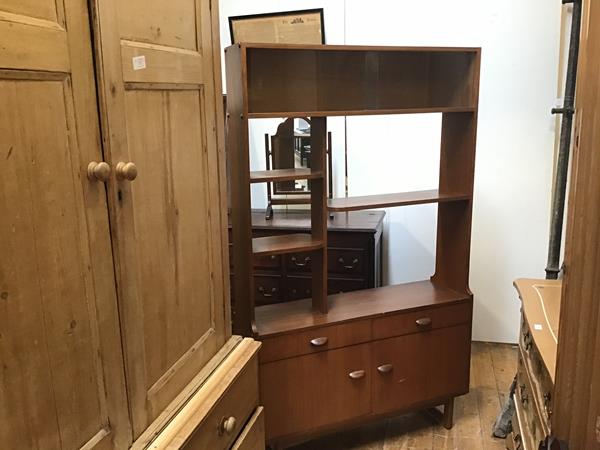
418 367
333 375
316 390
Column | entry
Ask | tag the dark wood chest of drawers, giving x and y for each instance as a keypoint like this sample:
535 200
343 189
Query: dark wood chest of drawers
354 249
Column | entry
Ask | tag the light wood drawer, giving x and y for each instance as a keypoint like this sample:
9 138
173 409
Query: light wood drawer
238 402
530 421
315 340
422 320
253 434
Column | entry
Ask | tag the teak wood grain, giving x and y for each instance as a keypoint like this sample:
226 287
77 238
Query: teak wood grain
62 384
168 225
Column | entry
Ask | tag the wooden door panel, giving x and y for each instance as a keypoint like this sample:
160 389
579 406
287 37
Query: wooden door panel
160 110
61 375
424 366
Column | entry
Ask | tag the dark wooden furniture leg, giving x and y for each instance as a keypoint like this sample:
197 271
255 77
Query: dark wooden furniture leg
447 420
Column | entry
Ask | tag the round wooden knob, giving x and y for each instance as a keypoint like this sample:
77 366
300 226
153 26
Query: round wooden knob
98 171
126 171
228 425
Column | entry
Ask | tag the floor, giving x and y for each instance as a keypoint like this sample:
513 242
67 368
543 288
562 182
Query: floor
493 367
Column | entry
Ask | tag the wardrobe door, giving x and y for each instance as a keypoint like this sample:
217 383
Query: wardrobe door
158 66
61 370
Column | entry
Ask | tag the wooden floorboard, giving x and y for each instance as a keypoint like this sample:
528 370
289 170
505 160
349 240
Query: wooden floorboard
493 367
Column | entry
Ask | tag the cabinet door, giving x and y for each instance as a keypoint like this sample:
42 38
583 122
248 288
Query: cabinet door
420 367
61 375
160 76
312 391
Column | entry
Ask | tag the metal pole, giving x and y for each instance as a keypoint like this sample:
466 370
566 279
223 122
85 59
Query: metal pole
562 167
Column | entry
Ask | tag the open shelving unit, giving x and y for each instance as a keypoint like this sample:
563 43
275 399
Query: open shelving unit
274 81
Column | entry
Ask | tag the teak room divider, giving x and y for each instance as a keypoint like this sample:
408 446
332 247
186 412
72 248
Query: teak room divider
331 361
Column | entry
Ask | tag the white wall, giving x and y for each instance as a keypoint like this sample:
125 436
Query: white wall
520 42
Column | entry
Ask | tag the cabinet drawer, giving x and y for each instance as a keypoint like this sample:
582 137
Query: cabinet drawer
293 390
346 261
267 289
315 340
527 404
419 367
298 262
253 434
422 320
236 405
297 287
339 285
268 262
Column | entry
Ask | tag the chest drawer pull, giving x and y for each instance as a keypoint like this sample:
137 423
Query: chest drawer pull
320 341
348 266
423 322
299 264
264 292
227 425
386 368
357 374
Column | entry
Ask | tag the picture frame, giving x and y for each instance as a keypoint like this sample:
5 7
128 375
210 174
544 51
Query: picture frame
287 27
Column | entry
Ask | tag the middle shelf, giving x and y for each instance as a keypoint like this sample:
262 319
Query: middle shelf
262 176
389 200
286 243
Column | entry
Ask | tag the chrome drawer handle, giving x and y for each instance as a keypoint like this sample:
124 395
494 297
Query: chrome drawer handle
386 368
264 293
227 425
357 374
423 322
319 342
349 266
299 264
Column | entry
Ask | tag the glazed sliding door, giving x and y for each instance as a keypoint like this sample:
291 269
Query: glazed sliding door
61 374
157 75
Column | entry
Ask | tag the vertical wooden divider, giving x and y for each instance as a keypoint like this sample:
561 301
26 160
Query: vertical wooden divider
239 165
318 211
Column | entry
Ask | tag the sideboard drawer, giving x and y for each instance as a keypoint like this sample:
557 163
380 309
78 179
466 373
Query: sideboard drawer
422 320
253 434
315 340
346 261
267 289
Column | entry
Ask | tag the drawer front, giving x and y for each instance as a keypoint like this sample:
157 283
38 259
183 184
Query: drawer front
339 285
514 439
340 239
297 287
530 414
229 413
315 340
267 289
422 320
268 262
419 367
253 434
350 262
293 390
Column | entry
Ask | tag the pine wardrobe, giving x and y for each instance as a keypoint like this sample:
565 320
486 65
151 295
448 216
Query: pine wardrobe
114 278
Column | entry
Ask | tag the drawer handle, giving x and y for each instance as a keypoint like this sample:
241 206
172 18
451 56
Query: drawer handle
386 368
264 292
423 322
227 425
547 401
527 340
348 266
319 342
357 374
299 264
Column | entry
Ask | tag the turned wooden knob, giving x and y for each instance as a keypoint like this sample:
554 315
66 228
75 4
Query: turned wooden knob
228 425
126 171
98 171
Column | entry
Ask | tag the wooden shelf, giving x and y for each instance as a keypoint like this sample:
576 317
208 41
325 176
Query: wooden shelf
275 175
298 315
389 200
361 112
287 243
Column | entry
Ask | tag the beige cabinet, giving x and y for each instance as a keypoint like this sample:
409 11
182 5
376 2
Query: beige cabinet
114 273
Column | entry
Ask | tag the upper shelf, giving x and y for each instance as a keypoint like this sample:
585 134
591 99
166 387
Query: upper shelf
390 200
291 81
287 243
274 175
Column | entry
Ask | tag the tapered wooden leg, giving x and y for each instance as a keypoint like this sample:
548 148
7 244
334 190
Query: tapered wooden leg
447 420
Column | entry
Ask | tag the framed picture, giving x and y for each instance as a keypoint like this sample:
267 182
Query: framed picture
288 27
